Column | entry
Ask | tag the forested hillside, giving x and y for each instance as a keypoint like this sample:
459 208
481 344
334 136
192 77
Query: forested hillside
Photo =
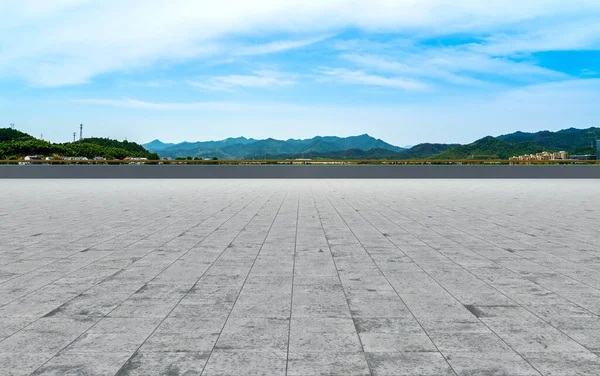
15 144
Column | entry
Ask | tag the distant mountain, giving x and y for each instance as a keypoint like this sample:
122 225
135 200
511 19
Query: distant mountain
244 148
426 150
194 149
492 148
565 139
156 145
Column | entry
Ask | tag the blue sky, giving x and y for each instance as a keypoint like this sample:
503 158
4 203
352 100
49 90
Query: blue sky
406 71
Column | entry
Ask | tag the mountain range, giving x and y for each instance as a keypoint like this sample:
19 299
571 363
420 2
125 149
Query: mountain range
248 148
575 141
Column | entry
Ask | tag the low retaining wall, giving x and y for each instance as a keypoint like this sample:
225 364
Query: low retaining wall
300 171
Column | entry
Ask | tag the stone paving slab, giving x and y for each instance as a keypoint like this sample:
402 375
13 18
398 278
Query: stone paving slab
299 277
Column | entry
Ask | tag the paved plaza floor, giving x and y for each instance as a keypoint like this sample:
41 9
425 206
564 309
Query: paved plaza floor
300 277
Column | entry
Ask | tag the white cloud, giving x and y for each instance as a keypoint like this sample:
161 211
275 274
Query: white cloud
582 34
274 47
62 42
362 78
207 106
173 106
261 79
455 66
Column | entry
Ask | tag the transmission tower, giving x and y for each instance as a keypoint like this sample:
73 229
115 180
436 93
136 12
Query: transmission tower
74 134
80 132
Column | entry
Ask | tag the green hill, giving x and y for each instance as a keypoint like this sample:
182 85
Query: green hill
426 150
492 148
566 139
108 143
9 134
16 144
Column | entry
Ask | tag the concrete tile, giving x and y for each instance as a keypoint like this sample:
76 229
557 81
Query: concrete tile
392 335
307 303
256 334
263 305
457 341
485 363
309 335
11 325
180 342
164 363
536 337
408 364
327 363
564 364
83 364
377 304
226 363
22 364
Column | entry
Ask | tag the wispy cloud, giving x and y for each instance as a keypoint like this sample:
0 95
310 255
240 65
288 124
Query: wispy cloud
169 106
261 79
362 78
207 106
277 46
455 65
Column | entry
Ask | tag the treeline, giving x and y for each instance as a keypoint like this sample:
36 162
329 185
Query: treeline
9 134
108 143
89 148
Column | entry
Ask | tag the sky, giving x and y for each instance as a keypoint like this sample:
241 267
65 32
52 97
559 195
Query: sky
405 71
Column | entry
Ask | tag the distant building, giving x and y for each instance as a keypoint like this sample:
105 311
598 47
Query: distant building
543 156
30 158
135 160
75 158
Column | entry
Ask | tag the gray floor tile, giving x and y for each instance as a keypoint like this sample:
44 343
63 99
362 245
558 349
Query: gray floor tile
308 277
408 364
327 363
